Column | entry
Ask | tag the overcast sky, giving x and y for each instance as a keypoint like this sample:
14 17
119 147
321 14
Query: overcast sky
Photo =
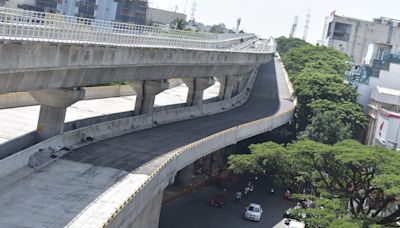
275 17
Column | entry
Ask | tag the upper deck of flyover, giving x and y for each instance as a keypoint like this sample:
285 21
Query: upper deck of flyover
64 192
41 50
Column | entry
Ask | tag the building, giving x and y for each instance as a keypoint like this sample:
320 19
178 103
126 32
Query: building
384 118
21 4
378 84
381 68
352 36
130 11
163 17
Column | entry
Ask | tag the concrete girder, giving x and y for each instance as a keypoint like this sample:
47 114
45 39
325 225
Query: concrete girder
196 89
53 107
32 66
146 93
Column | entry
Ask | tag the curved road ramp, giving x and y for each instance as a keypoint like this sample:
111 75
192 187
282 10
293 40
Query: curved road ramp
111 171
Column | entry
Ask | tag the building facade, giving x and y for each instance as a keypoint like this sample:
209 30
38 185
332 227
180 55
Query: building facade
130 11
163 17
384 118
352 36
377 81
381 68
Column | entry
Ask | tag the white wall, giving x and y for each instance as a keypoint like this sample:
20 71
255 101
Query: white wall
389 79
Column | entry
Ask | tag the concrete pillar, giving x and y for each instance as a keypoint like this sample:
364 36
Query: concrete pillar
242 82
228 84
146 93
186 175
53 107
150 216
196 89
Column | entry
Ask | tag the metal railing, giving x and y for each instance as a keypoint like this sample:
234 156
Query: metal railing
26 25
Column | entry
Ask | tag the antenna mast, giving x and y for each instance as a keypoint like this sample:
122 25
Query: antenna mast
194 5
294 27
307 24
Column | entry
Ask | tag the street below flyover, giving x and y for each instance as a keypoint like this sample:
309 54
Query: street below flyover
193 211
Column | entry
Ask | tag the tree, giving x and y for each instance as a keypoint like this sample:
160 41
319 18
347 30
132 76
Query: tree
316 73
312 86
178 23
326 127
348 112
365 179
217 28
285 44
297 59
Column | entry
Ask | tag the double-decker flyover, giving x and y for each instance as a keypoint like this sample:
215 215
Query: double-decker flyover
113 173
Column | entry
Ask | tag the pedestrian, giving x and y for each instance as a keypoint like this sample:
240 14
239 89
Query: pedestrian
246 191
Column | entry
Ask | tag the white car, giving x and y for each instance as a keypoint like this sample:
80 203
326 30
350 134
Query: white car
253 212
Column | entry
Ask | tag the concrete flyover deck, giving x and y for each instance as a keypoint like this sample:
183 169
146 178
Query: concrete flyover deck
86 187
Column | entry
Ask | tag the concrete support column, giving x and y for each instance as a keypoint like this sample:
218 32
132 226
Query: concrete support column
146 93
196 89
150 216
186 175
228 84
53 107
242 82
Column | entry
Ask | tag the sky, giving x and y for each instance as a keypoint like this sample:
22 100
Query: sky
275 17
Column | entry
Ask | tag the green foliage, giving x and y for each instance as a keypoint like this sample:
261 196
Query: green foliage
285 44
315 57
217 28
352 178
344 223
178 23
317 73
326 128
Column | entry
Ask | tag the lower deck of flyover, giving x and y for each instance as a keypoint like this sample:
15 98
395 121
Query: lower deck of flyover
55 195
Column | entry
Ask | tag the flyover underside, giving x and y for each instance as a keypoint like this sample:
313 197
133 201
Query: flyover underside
56 194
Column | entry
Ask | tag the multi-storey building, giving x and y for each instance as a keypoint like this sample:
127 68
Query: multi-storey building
352 36
378 84
163 17
384 118
130 11
381 68
22 4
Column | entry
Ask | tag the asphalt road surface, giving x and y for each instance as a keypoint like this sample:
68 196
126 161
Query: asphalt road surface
193 211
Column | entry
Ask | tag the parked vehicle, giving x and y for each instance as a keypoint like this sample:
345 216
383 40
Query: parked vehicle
253 212
217 201
288 195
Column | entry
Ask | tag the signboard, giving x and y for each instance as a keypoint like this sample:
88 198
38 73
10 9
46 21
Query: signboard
381 129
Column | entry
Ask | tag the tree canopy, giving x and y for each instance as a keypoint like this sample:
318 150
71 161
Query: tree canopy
316 73
178 23
363 181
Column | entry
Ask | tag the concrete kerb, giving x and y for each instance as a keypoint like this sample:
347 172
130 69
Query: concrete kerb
181 151
187 154
186 150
